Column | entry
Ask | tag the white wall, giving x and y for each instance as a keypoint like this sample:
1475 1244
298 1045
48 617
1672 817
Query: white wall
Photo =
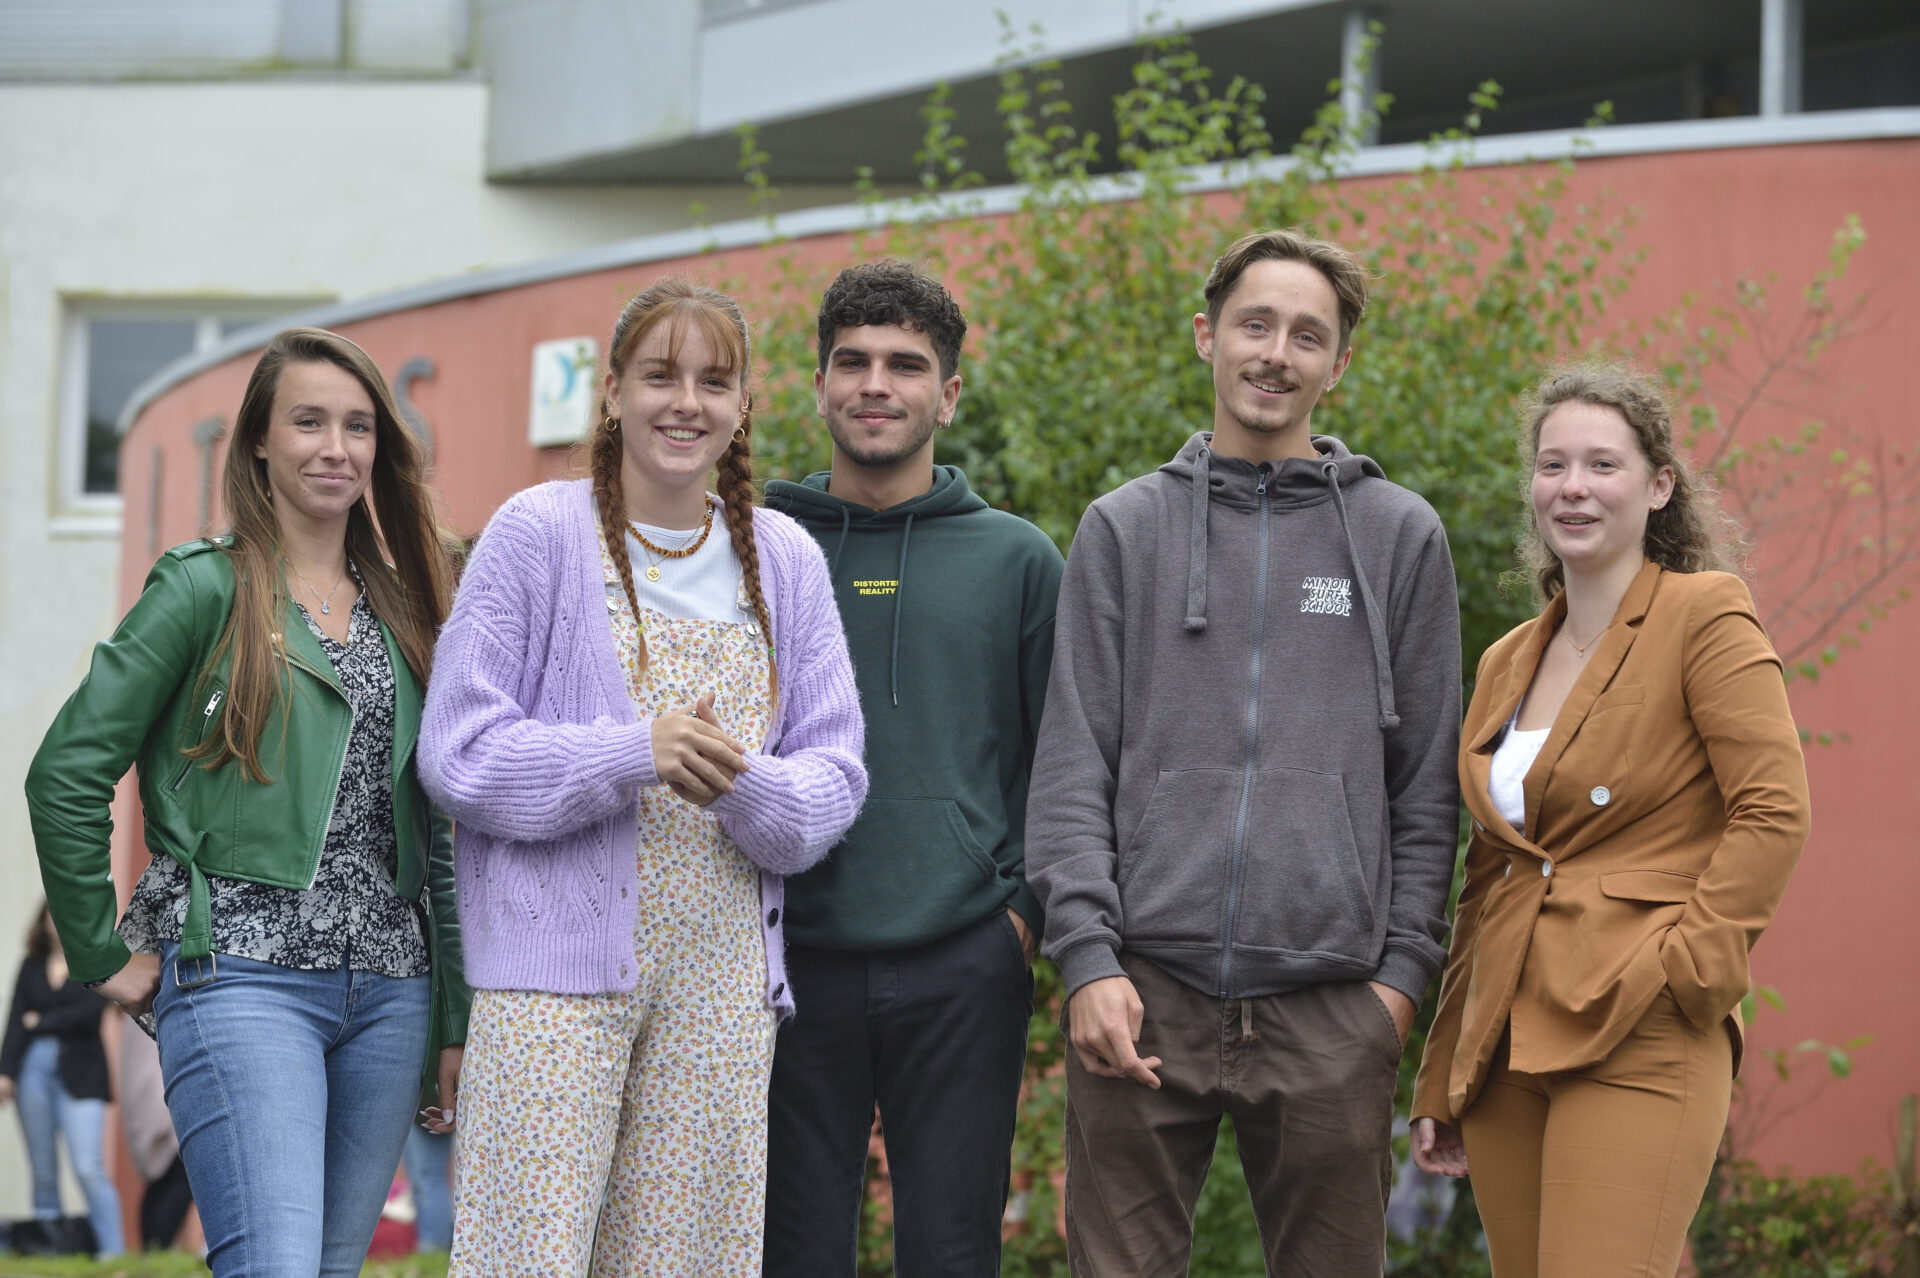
189 191
102 39
859 50
567 90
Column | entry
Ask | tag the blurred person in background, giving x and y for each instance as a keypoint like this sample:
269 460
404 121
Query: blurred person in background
429 1162
167 1201
53 1066
1638 799
294 933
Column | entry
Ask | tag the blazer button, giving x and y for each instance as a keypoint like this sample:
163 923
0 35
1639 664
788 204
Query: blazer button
613 605
1546 869
1600 795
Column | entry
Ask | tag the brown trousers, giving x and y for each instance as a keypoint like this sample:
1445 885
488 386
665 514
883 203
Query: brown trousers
1308 1079
1596 1173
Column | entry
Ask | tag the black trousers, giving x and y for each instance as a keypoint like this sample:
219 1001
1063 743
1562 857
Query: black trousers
163 1208
937 1035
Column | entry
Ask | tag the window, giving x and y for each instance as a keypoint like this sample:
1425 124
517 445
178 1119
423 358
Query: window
122 353
111 349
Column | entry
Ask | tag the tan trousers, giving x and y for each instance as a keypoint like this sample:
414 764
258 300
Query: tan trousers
1596 1173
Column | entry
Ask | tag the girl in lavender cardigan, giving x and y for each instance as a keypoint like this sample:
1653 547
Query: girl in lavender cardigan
633 766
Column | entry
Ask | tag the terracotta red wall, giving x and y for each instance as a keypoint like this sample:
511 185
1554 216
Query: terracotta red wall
1844 945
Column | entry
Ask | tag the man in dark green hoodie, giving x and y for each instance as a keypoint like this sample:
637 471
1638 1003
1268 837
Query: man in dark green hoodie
908 948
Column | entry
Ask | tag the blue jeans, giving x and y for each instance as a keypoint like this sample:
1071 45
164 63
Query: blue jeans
46 1111
292 1092
428 1156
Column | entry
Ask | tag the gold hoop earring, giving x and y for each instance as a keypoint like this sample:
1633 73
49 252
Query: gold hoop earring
739 434
610 424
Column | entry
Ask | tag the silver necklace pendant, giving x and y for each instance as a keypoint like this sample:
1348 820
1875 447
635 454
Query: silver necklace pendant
326 608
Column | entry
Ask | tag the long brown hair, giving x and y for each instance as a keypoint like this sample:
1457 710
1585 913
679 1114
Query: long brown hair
1688 534
680 303
41 936
393 537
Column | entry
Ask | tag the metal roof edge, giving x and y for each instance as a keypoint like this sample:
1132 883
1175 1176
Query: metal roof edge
1611 140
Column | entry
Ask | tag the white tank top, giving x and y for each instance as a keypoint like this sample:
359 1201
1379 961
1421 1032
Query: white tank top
1512 759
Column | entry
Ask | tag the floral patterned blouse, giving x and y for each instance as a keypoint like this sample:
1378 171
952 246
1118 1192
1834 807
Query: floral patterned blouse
350 914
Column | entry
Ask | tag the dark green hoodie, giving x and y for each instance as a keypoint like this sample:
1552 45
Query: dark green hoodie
948 607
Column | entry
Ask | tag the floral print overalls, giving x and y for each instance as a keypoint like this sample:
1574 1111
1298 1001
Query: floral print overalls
626 1134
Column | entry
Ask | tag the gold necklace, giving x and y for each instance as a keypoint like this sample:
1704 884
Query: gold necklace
1566 632
665 552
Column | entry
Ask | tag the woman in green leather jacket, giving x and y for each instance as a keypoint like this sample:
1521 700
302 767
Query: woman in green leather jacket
294 934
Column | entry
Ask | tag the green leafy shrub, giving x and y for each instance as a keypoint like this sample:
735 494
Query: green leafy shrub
1754 1225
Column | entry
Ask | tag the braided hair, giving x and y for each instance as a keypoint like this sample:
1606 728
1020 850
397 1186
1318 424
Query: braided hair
680 303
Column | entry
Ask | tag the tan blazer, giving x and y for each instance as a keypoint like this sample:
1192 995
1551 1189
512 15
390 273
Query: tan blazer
1664 813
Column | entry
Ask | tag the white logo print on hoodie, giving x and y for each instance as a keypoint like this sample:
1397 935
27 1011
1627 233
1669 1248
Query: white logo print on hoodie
1327 594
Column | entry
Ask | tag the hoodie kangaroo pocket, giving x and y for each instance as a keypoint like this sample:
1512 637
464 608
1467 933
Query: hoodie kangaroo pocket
921 874
1303 888
1173 871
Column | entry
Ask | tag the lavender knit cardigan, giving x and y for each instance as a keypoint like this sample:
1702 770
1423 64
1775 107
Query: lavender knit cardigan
531 743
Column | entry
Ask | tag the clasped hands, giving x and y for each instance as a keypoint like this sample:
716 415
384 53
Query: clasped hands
694 755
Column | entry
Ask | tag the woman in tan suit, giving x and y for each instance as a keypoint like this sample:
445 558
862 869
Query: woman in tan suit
1638 800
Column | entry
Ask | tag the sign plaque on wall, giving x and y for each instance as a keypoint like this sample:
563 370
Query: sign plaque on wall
565 391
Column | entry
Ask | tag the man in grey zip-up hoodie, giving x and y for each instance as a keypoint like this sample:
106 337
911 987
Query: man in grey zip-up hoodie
1243 812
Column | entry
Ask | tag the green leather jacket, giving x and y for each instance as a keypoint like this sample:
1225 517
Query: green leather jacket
144 702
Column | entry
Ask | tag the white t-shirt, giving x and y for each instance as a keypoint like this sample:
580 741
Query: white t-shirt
705 586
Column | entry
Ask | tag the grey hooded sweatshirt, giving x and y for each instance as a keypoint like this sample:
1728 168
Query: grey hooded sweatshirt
1245 773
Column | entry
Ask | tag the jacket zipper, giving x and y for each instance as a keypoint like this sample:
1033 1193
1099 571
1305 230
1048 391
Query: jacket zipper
206 722
1250 755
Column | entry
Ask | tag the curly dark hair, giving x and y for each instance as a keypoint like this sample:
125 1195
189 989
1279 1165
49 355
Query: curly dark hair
893 292
1688 534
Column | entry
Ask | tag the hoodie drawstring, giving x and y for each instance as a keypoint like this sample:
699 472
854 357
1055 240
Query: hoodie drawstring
833 560
1197 543
1376 624
899 589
